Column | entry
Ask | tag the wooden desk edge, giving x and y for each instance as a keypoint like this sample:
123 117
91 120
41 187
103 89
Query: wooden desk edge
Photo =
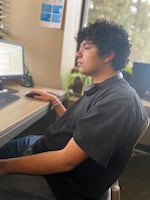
12 131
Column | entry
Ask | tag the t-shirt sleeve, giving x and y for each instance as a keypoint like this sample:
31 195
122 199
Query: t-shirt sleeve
98 132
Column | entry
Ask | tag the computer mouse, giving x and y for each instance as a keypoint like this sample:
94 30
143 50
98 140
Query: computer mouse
32 94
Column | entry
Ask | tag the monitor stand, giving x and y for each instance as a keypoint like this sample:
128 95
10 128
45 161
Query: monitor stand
5 89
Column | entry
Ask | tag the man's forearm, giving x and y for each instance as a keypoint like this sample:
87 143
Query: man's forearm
49 162
59 107
39 164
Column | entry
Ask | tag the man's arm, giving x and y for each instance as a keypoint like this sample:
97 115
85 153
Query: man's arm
46 163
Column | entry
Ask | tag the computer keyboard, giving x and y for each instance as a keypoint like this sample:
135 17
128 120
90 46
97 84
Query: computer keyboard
7 98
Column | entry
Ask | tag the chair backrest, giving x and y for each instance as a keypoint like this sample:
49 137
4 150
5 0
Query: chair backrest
136 151
114 192
143 131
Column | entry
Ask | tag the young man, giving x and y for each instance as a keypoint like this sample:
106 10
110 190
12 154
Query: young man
87 148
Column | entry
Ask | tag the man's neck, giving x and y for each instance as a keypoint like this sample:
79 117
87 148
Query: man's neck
104 76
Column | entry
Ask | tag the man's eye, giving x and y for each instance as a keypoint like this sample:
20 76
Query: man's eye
87 47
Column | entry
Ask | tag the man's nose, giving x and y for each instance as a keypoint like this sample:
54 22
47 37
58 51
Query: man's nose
79 53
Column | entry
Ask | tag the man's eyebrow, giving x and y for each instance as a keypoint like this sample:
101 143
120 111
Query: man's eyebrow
87 42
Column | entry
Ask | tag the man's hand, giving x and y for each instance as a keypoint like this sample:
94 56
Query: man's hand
43 95
46 96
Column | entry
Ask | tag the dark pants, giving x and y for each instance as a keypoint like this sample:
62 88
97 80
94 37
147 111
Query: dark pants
20 186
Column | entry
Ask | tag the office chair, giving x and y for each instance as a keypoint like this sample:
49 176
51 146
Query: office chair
114 190
113 193
137 151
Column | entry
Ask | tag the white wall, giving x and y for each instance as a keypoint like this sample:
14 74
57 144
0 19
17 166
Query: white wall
49 52
72 23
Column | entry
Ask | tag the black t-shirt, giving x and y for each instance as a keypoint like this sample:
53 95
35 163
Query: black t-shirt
105 122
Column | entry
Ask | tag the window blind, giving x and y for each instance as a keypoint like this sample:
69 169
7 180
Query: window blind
1 15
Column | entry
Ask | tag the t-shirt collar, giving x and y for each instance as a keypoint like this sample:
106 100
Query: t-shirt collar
92 88
112 79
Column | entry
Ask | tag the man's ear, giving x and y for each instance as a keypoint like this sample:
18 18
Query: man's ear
108 58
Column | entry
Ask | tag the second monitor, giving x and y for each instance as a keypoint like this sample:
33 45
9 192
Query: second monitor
141 78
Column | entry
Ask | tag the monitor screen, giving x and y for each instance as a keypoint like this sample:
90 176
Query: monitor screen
141 77
11 59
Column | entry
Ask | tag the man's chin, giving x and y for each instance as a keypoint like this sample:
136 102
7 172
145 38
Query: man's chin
82 71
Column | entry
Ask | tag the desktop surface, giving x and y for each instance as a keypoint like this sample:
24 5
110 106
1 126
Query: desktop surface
19 115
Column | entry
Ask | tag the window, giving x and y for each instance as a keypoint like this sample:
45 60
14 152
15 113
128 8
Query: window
134 15
4 8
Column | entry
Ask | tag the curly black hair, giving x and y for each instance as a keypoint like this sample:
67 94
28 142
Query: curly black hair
108 37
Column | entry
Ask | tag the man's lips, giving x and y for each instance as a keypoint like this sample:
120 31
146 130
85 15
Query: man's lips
79 63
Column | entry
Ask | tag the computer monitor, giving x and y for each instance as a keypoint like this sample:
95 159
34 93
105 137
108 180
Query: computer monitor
11 61
141 78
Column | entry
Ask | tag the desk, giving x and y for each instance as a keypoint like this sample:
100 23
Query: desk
21 114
